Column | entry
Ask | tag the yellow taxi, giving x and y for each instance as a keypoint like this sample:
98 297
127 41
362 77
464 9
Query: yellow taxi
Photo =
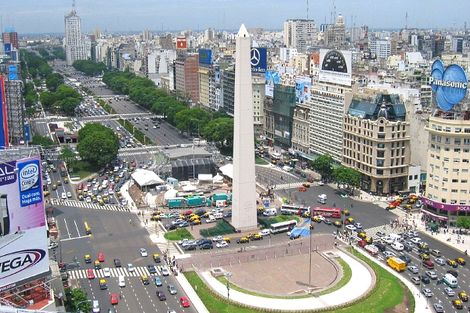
145 279
346 212
194 217
103 284
87 258
463 296
243 240
337 223
362 235
316 219
451 262
457 304
256 237
461 261
226 239
97 265
424 256
306 214
369 240
348 221
156 257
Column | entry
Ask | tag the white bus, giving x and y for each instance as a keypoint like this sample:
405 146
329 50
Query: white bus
282 226
292 209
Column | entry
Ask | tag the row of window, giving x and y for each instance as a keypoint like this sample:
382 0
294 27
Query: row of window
448 140
448 129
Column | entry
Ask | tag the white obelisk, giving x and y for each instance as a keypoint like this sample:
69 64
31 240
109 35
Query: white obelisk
244 215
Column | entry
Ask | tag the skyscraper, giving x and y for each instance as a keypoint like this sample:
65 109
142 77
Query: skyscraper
299 34
75 46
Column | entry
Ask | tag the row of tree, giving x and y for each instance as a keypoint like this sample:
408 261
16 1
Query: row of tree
52 53
324 165
213 126
97 144
36 66
89 67
63 100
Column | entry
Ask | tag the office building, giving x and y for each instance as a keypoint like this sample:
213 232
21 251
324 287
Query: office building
75 45
228 85
301 128
205 75
11 37
186 77
376 142
258 86
299 34
381 48
335 34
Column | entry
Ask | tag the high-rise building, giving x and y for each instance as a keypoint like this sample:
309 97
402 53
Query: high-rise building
11 37
299 33
381 48
186 76
335 35
228 85
377 142
75 45
258 86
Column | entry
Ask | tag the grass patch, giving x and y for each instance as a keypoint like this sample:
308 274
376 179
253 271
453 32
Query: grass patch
388 293
81 169
221 228
347 274
266 222
178 234
135 132
106 106
260 161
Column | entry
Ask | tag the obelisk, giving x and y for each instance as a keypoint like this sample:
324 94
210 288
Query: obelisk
244 215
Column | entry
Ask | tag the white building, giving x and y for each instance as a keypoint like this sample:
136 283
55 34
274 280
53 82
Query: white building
75 45
380 47
299 33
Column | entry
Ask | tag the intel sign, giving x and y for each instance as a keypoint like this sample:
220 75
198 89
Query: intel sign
449 84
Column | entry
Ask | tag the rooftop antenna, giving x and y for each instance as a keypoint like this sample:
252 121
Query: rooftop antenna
334 12
406 20
1 23
307 9
73 6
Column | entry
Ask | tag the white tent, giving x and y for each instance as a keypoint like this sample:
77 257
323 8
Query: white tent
218 179
145 178
204 178
227 170
170 194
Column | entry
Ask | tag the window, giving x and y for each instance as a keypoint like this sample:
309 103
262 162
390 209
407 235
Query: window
464 181
380 172
381 129
455 180
454 190
380 163
456 149
381 154
416 177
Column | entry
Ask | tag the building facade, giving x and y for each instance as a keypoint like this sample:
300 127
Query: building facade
228 85
187 77
299 33
75 45
301 128
376 142
205 76
258 83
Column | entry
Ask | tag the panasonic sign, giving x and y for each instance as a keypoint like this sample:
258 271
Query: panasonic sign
18 261
449 84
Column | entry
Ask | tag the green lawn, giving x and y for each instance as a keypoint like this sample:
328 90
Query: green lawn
178 234
260 161
347 274
81 169
388 293
266 222
222 227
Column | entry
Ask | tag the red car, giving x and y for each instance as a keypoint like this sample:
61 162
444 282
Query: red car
101 257
184 302
90 274
114 299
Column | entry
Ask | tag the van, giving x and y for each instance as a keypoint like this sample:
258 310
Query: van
96 306
270 212
122 281
397 246
395 237
218 215
322 198
450 280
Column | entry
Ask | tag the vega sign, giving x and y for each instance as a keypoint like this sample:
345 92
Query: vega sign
448 84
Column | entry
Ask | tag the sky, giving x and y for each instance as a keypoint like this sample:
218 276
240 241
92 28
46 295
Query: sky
46 16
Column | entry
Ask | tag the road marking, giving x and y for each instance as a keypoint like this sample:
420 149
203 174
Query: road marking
67 228
73 238
76 226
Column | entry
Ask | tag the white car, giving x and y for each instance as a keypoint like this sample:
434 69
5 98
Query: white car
130 268
265 232
358 225
351 227
164 270
222 244
388 240
122 281
96 306
449 292
88 199
143 252
106 272
416 240
69 194
64 196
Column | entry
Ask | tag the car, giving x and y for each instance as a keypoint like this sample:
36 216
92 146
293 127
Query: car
413 269
388 254
351 227
453 273
424 256
130 267
101 257
438 308
380 246
87 258
157 281
440 261
122 281
461 261
164 270
327 222
431 274
457 303
416 240
405 258
103 284
206 246
416 280
172 289
427 292
256 237
117 262
436 252
428 264
380 234
337 223
145 280
243 240
265 232
388 240
161 296
151 268
358 225
425 279
463 296
184 302
143 252
69 194
90 274
63 196
449 292
452 263
114 299
222 244
106 272
156 257
96 306
97 265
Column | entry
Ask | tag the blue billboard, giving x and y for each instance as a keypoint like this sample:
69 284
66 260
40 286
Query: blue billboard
27 133
272 78
7 48
205 56
448 84
258 59
12 72
302 89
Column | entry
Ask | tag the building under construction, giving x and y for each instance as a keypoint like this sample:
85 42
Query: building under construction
15 111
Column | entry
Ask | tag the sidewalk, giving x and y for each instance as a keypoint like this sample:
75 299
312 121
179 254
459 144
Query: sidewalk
360 282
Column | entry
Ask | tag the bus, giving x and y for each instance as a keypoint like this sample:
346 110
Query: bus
327 212
282 226
87 228
291 209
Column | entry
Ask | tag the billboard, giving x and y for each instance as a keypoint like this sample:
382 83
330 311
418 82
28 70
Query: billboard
272 78
205 56
3 116
258 59
12 72
181 43
27 133
303 84
448 84
23 236
336 67
7 48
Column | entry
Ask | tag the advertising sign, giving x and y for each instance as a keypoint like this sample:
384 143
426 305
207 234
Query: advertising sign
272 78
336 67
23 238
258 59
302 89
12 72
181 43
27 133
3 116
7 48
205 56
448 84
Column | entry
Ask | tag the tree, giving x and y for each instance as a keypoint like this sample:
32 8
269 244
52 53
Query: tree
67 155
463 222
53 81
323 165
77 300
347 176
97 144
220 131
88 67
42 141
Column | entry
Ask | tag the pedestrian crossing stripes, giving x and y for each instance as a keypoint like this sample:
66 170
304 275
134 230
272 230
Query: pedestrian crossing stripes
87 205
114 272
288 186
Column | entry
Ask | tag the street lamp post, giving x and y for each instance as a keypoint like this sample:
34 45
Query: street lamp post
227 276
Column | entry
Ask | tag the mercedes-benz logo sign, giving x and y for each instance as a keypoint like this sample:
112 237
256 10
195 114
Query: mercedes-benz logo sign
255 57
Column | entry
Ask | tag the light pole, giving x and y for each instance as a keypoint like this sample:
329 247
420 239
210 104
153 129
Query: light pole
310 253
227 276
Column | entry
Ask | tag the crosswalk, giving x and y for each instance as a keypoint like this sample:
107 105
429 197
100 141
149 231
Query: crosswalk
87 205
288 186
385 228
114 272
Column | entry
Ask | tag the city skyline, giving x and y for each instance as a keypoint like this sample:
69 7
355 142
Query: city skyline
28 17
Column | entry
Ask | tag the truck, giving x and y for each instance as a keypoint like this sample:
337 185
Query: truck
397 264
220 196
175 203
196 201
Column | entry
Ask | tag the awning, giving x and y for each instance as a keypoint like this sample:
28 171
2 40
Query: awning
440 217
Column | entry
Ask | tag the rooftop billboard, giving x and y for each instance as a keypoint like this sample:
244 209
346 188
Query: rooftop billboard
258 59
23 236
272 78
448 84
336 67
302 89
205 56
